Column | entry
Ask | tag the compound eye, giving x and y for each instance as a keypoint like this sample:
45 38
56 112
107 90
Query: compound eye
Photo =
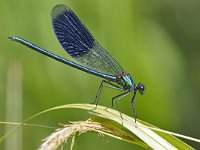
141 88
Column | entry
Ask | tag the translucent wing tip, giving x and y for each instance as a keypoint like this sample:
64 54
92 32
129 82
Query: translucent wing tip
59 10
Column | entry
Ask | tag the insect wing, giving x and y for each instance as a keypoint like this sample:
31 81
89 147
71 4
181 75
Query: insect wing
79 43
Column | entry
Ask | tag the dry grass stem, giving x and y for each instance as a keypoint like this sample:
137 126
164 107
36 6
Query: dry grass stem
60 136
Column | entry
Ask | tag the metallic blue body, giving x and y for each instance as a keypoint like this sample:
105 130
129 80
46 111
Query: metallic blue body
63 60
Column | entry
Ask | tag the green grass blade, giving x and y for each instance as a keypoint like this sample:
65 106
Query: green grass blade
138 133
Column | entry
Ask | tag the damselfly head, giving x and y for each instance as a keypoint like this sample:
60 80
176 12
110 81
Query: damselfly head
141 88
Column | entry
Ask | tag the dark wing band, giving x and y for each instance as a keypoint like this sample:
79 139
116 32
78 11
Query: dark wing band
71 32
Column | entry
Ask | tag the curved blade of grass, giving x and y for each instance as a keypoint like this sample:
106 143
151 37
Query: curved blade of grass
150 137
139 129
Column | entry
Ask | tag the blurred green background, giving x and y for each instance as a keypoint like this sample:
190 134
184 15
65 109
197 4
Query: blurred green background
156 41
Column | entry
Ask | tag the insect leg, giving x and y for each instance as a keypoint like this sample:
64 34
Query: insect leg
132 104
103 84
119 97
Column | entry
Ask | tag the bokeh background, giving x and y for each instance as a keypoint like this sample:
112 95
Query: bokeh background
156 41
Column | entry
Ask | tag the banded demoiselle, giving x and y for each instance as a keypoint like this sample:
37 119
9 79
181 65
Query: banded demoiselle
79 43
